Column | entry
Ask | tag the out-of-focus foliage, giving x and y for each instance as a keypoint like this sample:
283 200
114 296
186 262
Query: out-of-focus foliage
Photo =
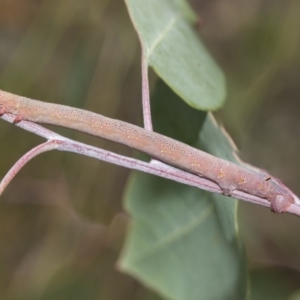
274 283
61 219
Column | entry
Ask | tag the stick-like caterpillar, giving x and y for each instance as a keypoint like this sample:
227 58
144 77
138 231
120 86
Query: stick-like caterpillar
227 175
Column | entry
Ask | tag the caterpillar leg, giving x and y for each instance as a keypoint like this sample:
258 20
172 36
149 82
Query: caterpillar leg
226 189
280 203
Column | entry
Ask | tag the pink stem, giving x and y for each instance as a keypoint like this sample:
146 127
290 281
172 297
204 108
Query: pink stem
146 93
47 146
61 143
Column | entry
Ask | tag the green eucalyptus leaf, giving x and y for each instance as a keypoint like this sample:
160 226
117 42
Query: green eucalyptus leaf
175 52
183 241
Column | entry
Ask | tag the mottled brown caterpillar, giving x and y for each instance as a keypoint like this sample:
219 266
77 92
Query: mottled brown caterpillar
227 175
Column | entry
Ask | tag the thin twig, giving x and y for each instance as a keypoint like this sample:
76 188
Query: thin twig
146 93
47 146
156 168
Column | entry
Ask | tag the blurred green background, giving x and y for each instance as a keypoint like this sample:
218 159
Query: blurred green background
61 219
